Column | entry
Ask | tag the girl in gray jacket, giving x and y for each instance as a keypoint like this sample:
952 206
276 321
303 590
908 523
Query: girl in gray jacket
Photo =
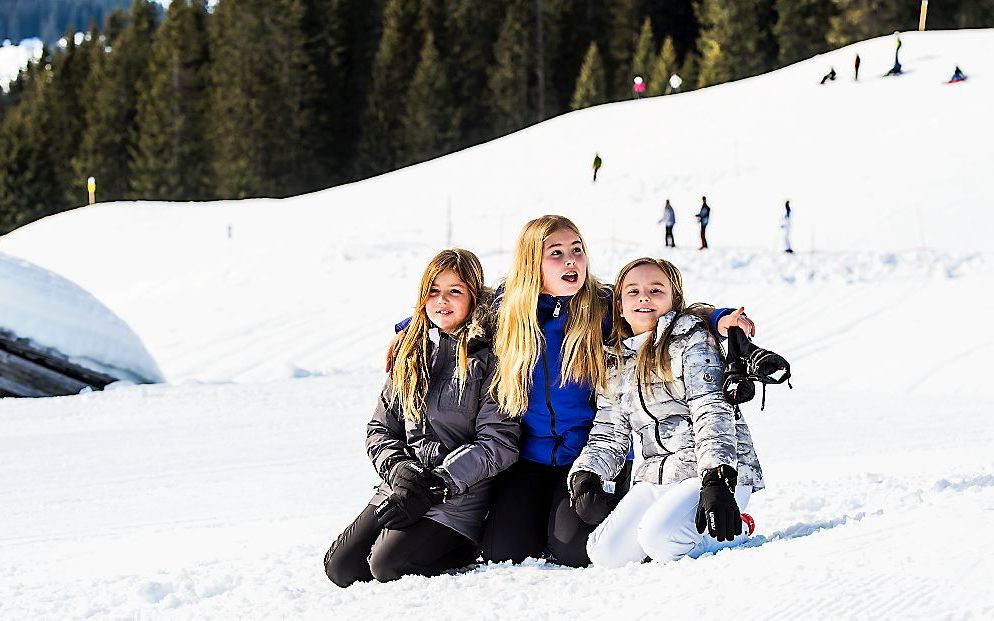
664 384
436 437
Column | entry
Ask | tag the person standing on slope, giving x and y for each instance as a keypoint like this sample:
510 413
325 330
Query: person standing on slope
597 164
668 220
785 225
704 217
664 382
436 437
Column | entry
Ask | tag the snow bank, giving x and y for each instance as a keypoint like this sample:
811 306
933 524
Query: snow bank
13 58
55 313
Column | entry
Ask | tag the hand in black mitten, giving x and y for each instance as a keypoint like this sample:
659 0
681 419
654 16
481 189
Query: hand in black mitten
589 497
717 511
408 476
397 512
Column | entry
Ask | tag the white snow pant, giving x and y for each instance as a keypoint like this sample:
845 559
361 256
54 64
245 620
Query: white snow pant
658 521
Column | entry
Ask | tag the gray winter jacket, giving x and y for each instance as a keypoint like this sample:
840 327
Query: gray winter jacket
466 440
685 426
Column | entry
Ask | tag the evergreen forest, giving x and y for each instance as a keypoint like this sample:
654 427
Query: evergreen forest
273 98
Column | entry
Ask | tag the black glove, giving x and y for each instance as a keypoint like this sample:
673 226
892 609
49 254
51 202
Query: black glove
717 510
589 497
408 475
396 512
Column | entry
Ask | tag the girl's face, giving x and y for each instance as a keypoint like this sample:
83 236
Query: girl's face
646 295
448 302
564 263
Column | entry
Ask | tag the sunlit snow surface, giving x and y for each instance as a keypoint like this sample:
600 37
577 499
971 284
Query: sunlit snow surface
217 494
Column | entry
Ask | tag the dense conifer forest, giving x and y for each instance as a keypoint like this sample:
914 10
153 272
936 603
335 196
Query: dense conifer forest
253 98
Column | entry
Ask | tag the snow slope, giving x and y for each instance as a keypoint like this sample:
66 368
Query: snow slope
208 499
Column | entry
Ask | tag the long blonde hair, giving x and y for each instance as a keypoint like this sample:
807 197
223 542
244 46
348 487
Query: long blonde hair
653 359
412 366
519 339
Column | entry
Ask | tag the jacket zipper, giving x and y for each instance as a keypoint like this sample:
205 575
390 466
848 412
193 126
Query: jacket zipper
655 426
552 412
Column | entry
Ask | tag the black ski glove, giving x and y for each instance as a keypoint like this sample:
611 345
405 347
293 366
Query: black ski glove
408 475
396 512
589 497
717 510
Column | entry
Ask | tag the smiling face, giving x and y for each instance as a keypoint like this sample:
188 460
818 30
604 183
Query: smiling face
646 294
448 302
564 263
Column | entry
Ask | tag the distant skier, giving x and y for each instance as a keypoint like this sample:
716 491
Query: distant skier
638 87
704 216
856 76
785 226
958 75
597 164
896 69
668 220
829 76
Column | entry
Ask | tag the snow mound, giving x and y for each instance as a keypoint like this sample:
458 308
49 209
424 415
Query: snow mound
53 312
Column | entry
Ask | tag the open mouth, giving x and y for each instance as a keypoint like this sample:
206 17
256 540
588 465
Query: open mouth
444 312
571 277
645 310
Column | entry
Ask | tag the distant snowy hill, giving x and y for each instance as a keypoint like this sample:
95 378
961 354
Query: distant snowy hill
216 494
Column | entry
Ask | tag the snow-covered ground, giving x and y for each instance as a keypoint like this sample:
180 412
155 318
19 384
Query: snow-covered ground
215 495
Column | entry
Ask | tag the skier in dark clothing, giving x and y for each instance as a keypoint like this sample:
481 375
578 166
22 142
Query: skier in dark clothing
597 164
958 75
896 69
829 76
856 77
704 216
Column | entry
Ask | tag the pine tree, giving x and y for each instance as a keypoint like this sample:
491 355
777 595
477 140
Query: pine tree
974 14
856 20
802 28
393 69
623 39
591 86
111 136
511 80
644 52
736 40
663 66
27 172
171 159
690 72
430 120
472 28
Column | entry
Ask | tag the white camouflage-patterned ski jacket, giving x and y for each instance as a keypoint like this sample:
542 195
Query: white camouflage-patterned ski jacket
685 426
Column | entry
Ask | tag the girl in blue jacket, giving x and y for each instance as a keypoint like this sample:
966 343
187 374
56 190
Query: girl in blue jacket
549 343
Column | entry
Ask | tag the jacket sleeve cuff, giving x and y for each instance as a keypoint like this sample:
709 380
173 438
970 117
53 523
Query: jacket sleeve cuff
716 316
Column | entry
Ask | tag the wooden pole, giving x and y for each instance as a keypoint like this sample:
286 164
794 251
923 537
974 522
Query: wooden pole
921 16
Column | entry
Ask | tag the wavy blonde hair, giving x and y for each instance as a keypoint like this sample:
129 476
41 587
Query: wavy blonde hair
411 368
519 340
654 356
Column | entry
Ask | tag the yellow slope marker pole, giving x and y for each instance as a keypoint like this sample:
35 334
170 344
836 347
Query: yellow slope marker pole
91 187
921 16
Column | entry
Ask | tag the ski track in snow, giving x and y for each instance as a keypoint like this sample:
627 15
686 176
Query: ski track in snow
216 495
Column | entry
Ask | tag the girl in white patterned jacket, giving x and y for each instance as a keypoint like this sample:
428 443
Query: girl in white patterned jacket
664 383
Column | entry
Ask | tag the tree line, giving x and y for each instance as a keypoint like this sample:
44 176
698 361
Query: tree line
273 98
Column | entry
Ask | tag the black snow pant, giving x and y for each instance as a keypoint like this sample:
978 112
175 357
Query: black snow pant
531 516
704 239
365 552
669 237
